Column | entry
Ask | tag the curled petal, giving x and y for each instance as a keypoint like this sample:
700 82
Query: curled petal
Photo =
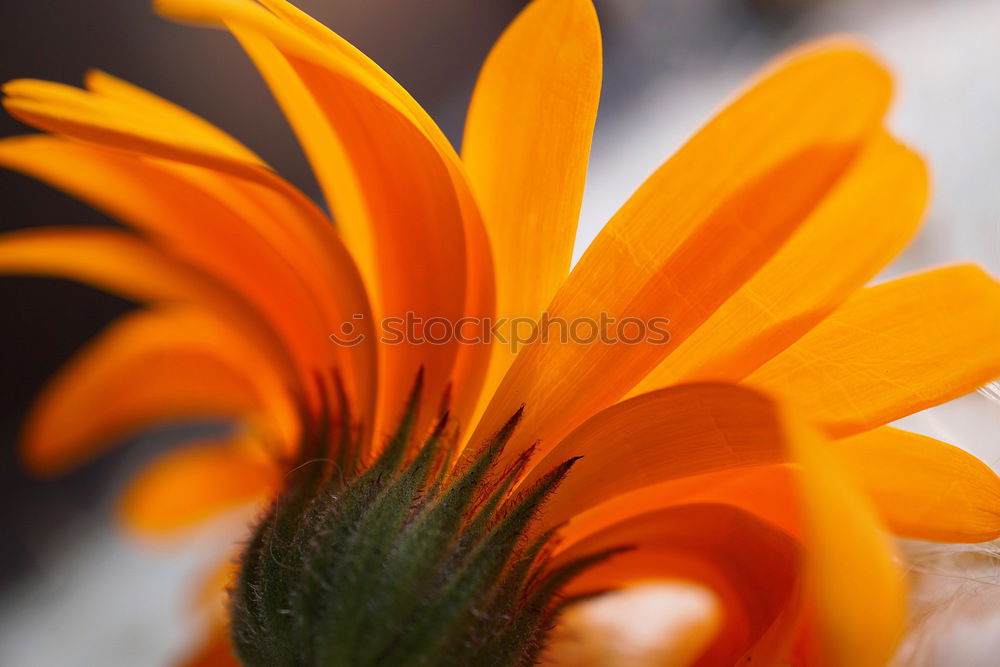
656 437
150 366
752 567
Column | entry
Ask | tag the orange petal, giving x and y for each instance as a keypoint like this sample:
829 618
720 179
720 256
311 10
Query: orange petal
288 219
307 244
126 265
214 651
212 592
414 223
133 122
694 232
892 350
767 491
311 41
669 434
921 488
273 208
221 226
924 488
854 586
112 260
195 483
863 223
147 105
526 146
846 551
151 366
404 187
752 567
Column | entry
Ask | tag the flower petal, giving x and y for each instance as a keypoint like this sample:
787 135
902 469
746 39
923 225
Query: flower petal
195 483
953 499
694 232
214 651
405 185
924 488
126 265
892 350
228 228
752 567
147 104
845 549
122 119
767 491
301 230
110 259
149 366
669 434
319 263
526 146
863 223
847 554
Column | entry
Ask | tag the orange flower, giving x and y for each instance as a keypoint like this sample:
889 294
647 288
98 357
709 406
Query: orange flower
755 434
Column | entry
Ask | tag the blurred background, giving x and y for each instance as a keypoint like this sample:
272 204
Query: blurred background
668 64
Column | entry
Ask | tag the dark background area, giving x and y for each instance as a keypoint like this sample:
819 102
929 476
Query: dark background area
433 47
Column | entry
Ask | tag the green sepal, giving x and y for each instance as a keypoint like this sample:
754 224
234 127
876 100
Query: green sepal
404 563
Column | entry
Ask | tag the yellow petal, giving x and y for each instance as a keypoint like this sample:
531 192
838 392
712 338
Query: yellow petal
863 223
857 591
526 146
150 366
892 350
694 232
195 483
924 488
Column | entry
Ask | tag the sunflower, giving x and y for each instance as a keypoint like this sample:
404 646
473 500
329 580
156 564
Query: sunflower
442 502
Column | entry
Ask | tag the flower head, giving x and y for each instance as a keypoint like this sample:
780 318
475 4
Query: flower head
746 450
